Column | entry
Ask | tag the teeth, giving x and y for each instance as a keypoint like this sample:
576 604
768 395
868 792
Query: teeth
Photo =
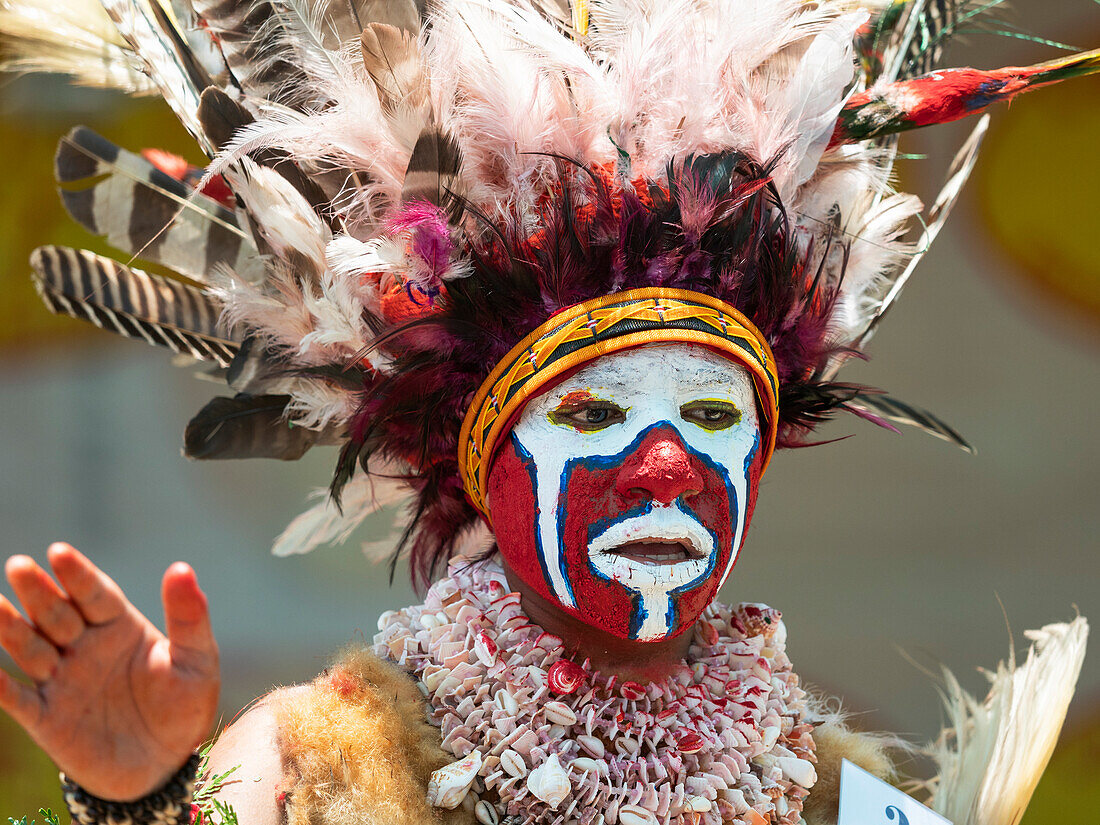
660 557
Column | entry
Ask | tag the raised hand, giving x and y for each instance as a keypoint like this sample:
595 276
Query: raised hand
118 705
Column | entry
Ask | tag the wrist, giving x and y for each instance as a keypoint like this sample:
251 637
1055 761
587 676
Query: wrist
170 804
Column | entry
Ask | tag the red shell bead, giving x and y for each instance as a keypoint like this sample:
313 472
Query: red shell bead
565 676
632 690
690 743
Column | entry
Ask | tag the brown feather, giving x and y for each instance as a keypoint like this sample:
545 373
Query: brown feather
391 57
246 426
221 116
348 17
433 171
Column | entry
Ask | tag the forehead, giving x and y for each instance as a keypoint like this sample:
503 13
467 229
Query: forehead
655 371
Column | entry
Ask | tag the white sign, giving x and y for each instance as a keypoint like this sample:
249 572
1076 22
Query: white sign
867 800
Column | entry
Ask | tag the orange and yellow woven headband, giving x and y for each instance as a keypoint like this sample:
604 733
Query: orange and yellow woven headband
585 331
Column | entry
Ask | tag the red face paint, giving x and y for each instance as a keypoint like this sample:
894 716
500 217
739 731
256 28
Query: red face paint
595 496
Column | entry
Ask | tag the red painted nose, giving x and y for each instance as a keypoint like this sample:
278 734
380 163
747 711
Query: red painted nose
660 469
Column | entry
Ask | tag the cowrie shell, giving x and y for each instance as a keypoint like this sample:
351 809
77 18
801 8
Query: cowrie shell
770 735
584 764
485 649
486 814
593 745
433 680
636 815
506 701
559 713
513 763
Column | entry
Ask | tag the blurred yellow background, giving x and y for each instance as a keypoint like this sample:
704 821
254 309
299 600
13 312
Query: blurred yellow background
876 543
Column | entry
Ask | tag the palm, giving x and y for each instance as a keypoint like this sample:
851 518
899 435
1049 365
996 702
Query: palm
116 703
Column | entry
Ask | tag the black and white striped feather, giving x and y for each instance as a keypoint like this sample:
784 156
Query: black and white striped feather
433 171
283 52
132 303
261 63
153 32
146 213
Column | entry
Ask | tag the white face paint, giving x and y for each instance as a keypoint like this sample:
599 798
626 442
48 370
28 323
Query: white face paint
640 464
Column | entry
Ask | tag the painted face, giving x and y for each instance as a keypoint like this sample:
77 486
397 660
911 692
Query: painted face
624 492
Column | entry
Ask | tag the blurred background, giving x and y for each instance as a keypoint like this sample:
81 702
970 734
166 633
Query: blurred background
884 552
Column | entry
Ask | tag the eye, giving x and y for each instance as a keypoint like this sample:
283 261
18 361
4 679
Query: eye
588 416
711 414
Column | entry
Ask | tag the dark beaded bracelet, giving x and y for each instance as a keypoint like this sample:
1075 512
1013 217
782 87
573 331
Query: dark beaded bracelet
169 805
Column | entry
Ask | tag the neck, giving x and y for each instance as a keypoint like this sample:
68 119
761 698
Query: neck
609 654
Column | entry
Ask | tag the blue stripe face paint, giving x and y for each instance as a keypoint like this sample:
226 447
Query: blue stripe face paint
636 473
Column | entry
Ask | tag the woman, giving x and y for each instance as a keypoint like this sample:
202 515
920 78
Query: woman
571 278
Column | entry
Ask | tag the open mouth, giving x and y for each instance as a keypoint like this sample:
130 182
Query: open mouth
657 551
663 537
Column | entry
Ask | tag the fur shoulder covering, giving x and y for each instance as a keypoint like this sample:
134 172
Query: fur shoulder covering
358 750
835 742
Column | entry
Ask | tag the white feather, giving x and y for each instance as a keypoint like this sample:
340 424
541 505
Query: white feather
502 104
992 758
284 219
275 311
324 523
317 404
874 254
74 37
351 135
815 93
340 333
293 33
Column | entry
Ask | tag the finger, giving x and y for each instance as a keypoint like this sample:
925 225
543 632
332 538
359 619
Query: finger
92 591
34 655
44 602
187 619
22 703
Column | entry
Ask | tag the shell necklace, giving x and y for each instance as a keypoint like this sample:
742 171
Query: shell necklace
541 739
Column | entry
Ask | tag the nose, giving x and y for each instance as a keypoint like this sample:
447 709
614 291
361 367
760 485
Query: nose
661 469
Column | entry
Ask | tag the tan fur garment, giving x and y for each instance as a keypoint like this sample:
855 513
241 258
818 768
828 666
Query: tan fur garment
835 742
358 749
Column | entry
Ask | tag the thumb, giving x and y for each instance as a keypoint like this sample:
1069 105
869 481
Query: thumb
187 619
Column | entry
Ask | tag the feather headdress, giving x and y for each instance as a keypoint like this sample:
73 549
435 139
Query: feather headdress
400 192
